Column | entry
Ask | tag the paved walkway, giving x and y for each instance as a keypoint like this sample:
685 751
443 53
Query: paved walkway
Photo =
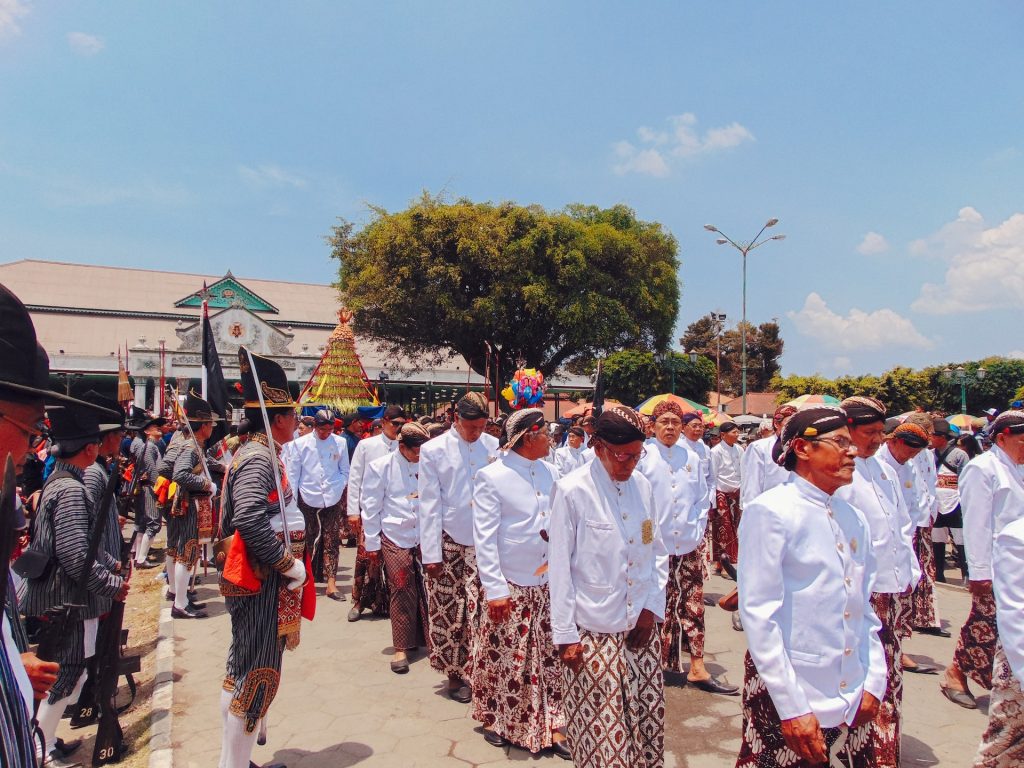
340 705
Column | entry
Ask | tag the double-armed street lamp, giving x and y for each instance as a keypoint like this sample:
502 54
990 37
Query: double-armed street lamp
959 375
744 248
670 358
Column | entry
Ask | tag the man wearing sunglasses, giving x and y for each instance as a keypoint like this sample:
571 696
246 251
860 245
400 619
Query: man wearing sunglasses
608 572
366 576
876 494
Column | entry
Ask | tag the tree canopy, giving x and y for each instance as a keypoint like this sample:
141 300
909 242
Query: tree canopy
764 348
631 376
543 288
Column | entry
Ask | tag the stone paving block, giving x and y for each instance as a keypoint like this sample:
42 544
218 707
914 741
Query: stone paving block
477 751
419 746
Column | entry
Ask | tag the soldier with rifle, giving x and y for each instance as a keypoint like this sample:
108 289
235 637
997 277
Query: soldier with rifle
66 570
146 451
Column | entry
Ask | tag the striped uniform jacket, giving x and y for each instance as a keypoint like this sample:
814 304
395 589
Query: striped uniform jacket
96 478
251 485
166 466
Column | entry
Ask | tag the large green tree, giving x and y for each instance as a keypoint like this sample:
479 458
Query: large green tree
709 337
632 375
543 288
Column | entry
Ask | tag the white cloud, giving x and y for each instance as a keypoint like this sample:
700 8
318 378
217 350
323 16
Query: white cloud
1017 354
656 150
859 330
84 44
872 244
10 12
842 364
985 265
269 175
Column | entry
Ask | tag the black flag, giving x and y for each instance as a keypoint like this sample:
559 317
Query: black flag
215 389
598 401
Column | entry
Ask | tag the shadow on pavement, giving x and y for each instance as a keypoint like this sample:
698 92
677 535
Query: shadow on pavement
339 756
916 752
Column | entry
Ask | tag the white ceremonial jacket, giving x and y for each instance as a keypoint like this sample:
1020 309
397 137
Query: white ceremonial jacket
804 574
758 472
991 497
681 496
928 483
909 481
726 466
448 467
317 469
1008 585
511 508
390 502
875 493
607 562
568 458
707 474
367 450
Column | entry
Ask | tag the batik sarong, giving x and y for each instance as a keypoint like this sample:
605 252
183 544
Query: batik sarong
764 747
453 603
322 538
924 612
408 597
615 704
517 675
1002 744
682 634
185 544
886 730
369 587
726 524
977 645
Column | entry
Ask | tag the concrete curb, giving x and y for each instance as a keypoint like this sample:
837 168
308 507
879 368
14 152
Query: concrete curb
161 747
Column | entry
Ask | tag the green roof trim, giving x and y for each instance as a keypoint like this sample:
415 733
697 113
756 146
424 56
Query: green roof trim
225 293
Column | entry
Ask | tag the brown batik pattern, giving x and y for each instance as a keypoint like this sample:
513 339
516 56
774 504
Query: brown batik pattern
682 634
408 606
726 524
615 704
764 747
1002 744
923 612
977 645
453 604
369 587
322 538
517 675
886 728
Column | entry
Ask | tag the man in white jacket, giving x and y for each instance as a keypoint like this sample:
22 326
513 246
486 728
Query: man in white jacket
816 670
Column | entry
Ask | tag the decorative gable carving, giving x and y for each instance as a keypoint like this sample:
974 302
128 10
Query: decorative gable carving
235 327
228 292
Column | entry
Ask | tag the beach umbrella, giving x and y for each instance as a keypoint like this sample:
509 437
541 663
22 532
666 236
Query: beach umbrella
647 406
584 409
964 421
805 400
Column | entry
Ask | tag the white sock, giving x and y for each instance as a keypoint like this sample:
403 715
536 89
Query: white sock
225 706
143 551
237 743
49 715
180 585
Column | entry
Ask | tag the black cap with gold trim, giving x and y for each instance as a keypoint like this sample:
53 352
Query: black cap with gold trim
271 380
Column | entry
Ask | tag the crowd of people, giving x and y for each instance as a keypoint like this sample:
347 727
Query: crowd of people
553 573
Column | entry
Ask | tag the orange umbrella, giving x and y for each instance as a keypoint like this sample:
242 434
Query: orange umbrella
584 409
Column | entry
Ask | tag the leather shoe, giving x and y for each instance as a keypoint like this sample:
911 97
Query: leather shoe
463 694
355 614
709 600
400 667
960 698
714 685
737 623
195 606
936 631
178 613
561 749
66 748
494 739
336 596
922 669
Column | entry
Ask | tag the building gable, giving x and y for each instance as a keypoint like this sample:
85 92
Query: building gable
228 292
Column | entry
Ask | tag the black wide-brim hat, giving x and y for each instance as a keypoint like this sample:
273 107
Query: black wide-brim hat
198 411
24 364
144 421
263 375
113 425
75 425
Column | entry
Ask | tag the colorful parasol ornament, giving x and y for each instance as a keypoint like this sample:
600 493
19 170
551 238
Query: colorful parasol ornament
805 400
525 390
966 422
688 406
585 409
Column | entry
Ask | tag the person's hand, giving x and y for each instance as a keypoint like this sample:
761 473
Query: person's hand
572 656
213 488
433 570
42 674
640 635
803 735
296 575
867 710
980 588
499 610
122 593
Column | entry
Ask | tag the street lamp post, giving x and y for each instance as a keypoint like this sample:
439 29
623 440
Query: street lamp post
719 318
960 377
744 248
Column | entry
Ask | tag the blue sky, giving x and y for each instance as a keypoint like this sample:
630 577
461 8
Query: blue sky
887 138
